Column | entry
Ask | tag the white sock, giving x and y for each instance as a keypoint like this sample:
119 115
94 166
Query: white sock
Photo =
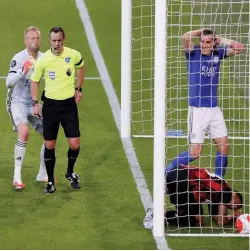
19 153
42 171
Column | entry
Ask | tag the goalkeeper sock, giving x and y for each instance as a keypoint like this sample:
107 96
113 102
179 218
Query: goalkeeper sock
220 164
19 153
72 156
182 159
50 160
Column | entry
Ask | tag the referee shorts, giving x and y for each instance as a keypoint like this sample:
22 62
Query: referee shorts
60 111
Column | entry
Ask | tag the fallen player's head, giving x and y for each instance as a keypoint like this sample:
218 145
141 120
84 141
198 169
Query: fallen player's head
207 41
236 201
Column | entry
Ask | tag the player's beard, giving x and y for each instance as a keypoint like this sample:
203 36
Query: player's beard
35 49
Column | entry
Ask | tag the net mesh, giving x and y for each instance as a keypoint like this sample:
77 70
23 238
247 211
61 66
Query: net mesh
230 19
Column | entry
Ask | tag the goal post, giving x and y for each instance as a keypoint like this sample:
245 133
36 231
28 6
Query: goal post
159 96
126 68
154 91
159 117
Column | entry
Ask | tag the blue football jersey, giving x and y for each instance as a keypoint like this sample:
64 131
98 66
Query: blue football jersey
203 76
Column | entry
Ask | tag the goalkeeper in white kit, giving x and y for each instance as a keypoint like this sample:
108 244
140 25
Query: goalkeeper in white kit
19 102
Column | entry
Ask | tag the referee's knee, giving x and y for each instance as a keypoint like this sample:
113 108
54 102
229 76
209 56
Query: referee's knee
50 144
74 143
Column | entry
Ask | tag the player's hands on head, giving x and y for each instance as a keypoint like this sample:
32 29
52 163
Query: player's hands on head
78 96
217 40
28 64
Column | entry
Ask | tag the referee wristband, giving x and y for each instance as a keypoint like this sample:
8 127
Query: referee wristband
34 102
78 89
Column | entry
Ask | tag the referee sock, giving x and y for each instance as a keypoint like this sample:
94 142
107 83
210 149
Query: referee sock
182 159
72 156
220 164
50 160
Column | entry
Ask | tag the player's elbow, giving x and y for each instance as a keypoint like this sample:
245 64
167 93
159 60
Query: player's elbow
238 47
187 42
186 36
9 82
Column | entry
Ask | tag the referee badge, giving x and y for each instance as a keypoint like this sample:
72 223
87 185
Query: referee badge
67 60
68 72
52 75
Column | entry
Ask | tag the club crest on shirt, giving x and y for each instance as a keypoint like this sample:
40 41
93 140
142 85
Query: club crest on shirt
52 75
67 60
216 59
27 83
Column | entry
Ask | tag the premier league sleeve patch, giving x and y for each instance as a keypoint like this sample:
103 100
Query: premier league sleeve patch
13 63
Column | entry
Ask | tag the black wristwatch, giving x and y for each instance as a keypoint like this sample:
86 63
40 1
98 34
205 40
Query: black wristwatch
34 102
78 89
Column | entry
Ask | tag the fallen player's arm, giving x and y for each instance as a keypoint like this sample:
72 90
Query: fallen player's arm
199 220
223 218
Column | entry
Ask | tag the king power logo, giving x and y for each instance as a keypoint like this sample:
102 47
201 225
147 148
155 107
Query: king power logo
207 71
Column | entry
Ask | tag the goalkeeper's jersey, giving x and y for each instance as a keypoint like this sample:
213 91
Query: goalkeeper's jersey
207 187
203 76
17 83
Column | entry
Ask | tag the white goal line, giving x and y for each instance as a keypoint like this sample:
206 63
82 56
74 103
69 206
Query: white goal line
87 78
211 235
185 137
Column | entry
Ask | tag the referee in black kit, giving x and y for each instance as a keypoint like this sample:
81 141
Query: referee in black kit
57 65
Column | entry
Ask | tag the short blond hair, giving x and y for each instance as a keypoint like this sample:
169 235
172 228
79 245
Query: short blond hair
31 28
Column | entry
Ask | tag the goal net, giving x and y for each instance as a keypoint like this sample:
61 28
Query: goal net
229 19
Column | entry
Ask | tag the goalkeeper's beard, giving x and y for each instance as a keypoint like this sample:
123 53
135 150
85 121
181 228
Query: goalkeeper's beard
35 49
34 52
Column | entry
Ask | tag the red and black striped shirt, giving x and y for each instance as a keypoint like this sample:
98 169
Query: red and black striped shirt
207 186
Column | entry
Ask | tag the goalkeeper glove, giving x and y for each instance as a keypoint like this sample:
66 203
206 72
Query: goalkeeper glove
28 64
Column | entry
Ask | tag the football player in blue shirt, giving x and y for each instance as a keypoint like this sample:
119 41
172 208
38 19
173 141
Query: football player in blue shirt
204 115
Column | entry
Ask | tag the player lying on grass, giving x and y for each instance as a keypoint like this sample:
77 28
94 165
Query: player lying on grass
188 187
203 67
19 102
